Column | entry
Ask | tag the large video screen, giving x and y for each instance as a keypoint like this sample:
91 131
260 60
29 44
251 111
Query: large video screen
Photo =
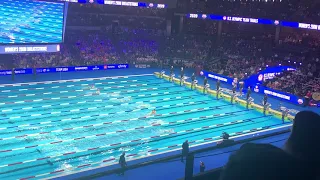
31 22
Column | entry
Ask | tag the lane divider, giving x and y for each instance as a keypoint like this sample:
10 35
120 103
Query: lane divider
98 124
97 107
140 96
78 90
128 142
68 97
74 80
69 119
69 86
93 136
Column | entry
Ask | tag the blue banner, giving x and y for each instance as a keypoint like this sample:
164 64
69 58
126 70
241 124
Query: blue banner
278 94
215 76
255 80
83 68
16 71
18 49
65 69
266 74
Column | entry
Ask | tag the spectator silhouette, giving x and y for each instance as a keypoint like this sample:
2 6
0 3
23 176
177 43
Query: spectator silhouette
303 142
202 166
123 163
225 140
185 149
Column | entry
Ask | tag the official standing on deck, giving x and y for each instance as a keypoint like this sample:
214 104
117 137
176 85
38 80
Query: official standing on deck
13 73
193 78
123 163
218 89
205 82
171 73
248 93
181 75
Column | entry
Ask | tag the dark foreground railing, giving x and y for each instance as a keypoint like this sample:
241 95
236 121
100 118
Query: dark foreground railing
212 175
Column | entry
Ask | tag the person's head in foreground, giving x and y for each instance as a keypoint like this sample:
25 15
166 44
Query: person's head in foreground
299 160
265 162
304 141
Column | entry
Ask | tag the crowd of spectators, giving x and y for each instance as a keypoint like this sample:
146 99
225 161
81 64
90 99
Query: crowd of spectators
305 78
188 47
138 35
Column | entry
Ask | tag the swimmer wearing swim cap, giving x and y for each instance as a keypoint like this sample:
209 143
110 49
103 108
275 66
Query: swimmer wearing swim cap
153 112
90 87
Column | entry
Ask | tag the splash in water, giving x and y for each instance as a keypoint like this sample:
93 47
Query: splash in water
114 95
141 106
156 121
66 166
165 131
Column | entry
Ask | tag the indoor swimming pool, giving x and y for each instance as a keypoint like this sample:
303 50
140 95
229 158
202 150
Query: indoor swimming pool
54 128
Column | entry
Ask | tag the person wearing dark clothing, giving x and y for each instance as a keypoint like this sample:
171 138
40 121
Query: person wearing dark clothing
122 163
303 142
218 89
265 99
234 89
193 78
307 98
248 93
185 150
181 76
13 74
34 70
233 95
225 140
202 166
205 82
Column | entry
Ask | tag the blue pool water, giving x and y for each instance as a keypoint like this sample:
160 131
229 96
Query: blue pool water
58 127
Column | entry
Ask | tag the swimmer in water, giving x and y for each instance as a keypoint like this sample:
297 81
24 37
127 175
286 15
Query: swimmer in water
90 87
153 112
97 92
126 99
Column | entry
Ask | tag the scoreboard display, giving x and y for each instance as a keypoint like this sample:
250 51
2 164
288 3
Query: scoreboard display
145 3
31 22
